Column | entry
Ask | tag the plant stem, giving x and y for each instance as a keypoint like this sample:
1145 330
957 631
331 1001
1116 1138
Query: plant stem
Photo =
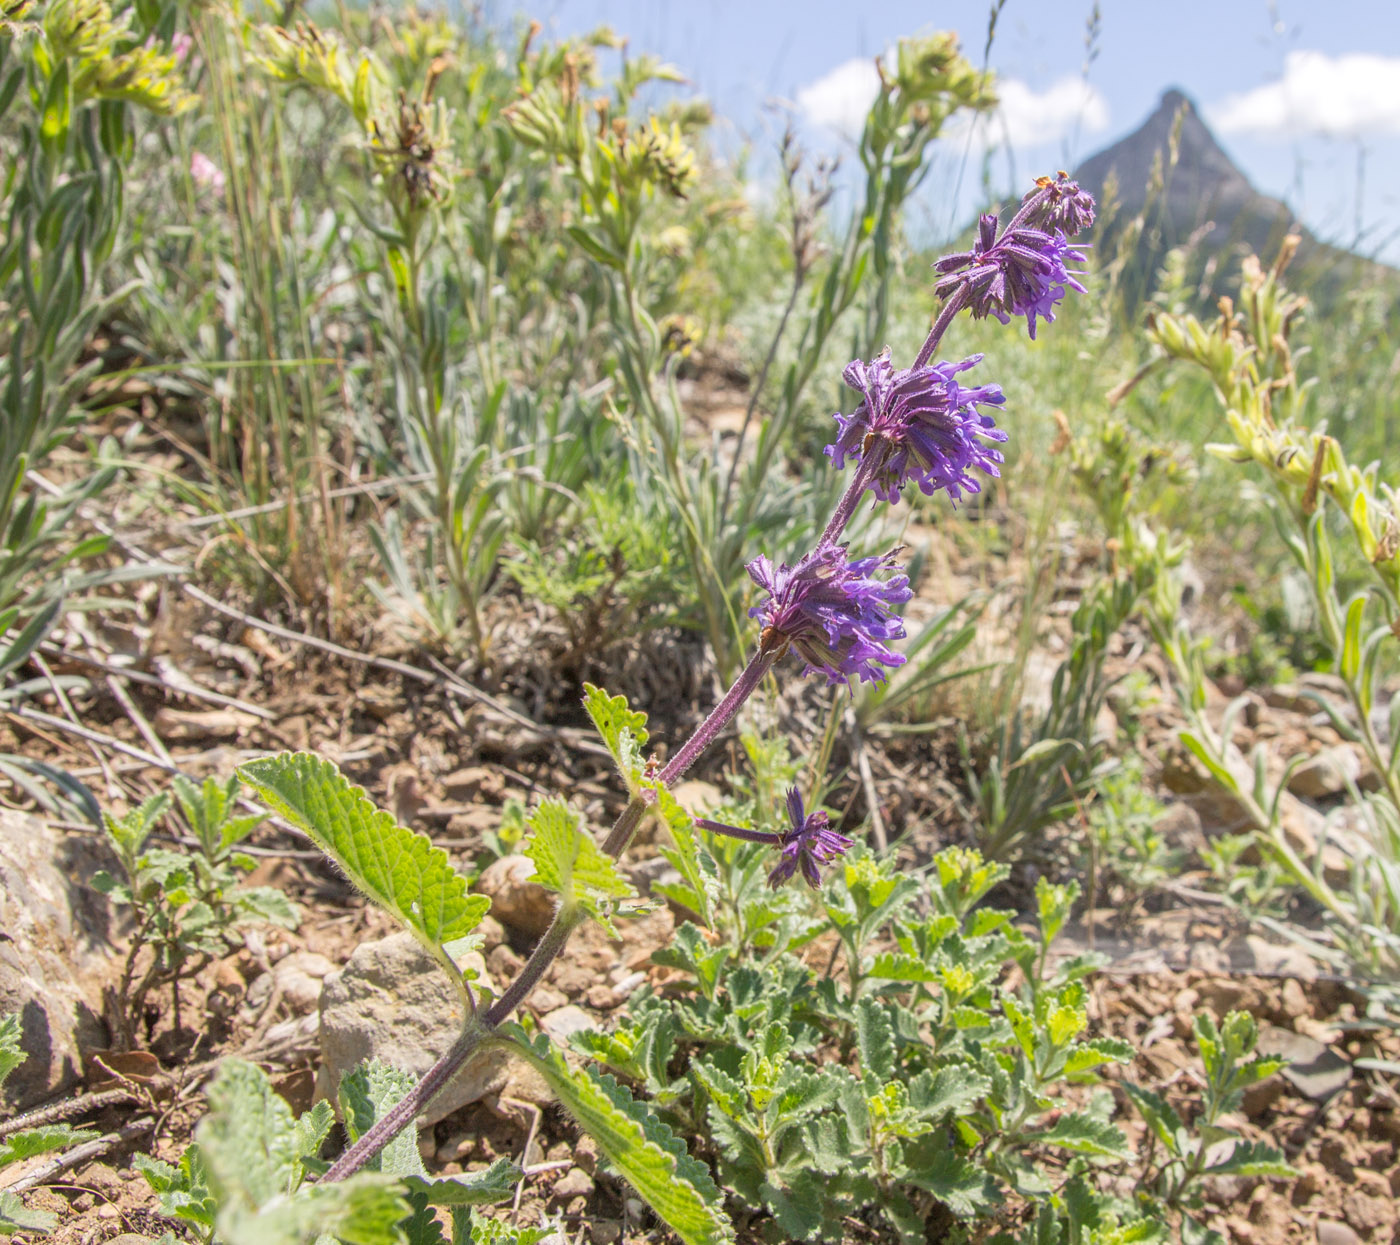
950 310
481 1029
869 464
720 715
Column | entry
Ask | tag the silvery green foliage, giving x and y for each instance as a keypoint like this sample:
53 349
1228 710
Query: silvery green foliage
915 1083
73 79
1206 1148
187 906
27 1143
1338 523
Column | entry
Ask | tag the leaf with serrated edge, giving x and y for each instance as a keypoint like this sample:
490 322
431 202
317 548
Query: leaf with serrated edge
1082 1134
652 1159
1252 1158
44 1140
568 862
701 883
623 730
496 1184
401 871
368 1092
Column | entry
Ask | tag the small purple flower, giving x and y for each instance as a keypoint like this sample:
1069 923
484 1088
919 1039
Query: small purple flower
923 425
1021 273
834 611
810 842
1057 203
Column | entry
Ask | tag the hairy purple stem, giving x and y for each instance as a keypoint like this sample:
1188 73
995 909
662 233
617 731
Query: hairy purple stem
940 326
556 937
406 1110
738 832
865 472
720 715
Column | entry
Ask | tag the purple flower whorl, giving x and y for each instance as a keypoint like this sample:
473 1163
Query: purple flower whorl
811 842
924 426
1021 273
833 610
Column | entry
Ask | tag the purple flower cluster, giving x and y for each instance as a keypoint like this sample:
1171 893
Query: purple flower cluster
1022 272
809 843
914 424
833 610
1058 203
919 424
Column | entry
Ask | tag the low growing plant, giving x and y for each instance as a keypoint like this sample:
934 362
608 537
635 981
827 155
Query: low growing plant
187 907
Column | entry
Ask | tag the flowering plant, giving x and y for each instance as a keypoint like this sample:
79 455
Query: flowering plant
835 609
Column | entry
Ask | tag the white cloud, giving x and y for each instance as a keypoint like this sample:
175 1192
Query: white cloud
1331 96
841 98
1030 118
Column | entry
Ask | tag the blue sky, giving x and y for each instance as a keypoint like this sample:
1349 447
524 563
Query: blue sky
1304 94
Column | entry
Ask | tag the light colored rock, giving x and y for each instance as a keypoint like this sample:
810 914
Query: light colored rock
516 900
56 952
574 1183
1326 774
299 977
1329 1232
393 1002
562 1023
698 797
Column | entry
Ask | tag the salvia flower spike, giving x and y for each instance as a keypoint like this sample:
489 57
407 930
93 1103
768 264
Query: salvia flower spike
919 424
834 611
810 843
1021 272
1057 203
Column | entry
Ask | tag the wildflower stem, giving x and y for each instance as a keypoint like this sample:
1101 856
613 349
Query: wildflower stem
739 832
556 938
956 302
869 465
744 687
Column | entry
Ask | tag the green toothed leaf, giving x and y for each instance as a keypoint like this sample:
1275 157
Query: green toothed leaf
1083 1134
623 730
401 871
568 862
636 1142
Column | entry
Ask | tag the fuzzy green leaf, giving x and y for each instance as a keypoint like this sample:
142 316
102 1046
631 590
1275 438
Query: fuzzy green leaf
623 730
11 1056
1083 1056
696 867
960 1185
875 1036
651 1158
894 966
44 1140
253 1149
948 1091
1083 1134
1161 1117
568 862
368 1092
496 1184
401 871
1252 1158
16 1217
